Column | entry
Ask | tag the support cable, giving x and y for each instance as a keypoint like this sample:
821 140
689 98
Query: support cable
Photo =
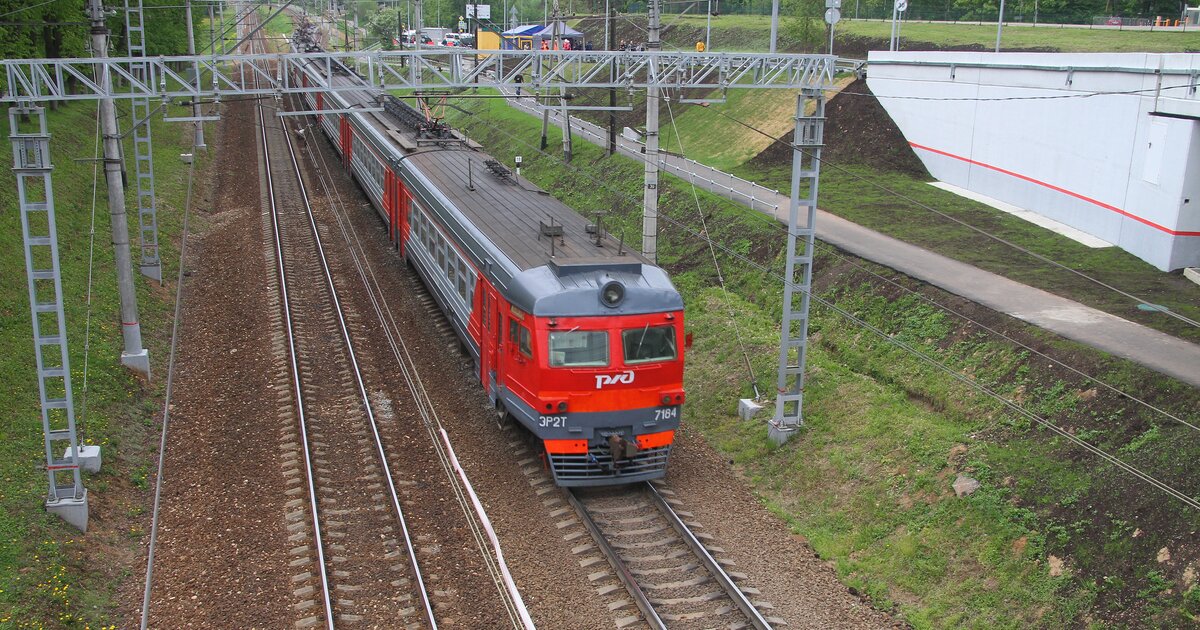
162 446
835 252
720 277
87 327
1095 450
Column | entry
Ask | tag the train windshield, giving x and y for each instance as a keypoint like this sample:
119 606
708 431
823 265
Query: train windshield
579 348
648 344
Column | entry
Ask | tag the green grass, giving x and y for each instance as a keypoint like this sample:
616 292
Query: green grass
867 481
704 131
1022 36
50 575
279 26
751 33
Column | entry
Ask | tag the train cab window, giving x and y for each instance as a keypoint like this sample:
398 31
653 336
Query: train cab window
649 344
518 336
579 348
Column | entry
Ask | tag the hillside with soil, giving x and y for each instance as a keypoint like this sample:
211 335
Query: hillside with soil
858 130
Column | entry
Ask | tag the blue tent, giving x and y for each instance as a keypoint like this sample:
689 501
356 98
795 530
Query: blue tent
520 37
564 32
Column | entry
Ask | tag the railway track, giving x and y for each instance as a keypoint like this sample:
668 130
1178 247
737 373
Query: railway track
354 560
672 577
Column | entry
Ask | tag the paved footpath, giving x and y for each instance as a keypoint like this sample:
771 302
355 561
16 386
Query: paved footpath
1156 350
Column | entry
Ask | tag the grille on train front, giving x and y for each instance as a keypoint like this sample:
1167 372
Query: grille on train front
595 468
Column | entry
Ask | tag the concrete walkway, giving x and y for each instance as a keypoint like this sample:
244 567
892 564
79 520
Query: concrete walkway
1156 350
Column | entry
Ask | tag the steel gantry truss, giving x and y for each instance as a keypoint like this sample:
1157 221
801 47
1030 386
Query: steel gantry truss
24 82
189 77
143 151
35 194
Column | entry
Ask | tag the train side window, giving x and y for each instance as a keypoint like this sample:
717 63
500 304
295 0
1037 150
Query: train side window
483 310
513 336
462 281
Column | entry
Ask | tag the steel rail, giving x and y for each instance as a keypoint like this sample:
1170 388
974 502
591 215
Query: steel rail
362 390
295 369
731 589
614 559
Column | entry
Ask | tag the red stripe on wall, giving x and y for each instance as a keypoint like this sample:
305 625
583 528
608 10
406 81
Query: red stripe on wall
1064 191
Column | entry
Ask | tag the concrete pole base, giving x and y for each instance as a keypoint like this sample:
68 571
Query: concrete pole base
138 362
73 511
779 434
154 272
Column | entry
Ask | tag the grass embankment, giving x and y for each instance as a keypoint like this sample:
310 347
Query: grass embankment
279 26
855 37
50 574
868 479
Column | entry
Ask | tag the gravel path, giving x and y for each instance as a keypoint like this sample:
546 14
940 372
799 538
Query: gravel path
221 532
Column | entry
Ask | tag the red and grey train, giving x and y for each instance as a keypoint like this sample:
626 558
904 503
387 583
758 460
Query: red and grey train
574 336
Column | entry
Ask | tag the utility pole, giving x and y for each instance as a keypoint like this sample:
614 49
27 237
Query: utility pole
556 40
418 22
650 193
774 23
611 44
198 140
134 356
999 25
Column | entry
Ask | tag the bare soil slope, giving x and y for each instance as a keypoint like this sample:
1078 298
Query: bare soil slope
858 130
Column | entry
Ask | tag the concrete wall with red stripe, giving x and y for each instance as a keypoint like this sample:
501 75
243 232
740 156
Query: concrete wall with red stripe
1106 143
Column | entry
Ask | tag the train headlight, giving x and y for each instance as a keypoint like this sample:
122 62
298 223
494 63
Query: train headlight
612 293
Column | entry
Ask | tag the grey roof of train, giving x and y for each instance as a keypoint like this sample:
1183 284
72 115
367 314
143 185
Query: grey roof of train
508 211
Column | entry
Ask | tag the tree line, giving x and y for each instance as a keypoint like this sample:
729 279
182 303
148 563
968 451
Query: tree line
62 28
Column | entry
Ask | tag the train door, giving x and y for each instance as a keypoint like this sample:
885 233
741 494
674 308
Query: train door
490 339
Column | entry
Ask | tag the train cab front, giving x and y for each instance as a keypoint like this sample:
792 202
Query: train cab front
597 369
612 397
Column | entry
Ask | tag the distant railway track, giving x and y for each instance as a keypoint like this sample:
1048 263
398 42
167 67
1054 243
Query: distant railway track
671 576
356 575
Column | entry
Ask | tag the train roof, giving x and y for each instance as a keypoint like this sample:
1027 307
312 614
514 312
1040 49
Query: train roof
549 259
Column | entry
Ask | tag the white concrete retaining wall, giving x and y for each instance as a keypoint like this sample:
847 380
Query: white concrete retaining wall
1020 127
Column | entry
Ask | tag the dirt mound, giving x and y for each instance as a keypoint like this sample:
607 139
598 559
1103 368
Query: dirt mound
857 131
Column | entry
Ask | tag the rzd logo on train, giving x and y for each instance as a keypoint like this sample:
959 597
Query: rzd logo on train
625 377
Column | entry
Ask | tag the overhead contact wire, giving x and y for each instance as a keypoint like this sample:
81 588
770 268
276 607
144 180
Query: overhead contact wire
516 606
1129 468
362 389
717 265
998 239
833 251
162 445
